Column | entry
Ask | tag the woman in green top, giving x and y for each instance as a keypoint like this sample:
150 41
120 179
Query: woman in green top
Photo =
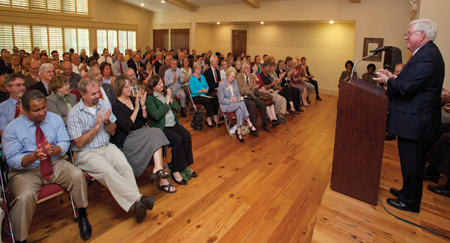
162 111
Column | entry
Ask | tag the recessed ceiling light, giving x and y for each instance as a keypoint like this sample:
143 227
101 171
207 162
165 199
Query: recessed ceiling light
262 22
331 22
218 22
142 4
163 1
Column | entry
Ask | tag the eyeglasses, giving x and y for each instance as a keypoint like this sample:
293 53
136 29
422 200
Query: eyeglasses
408 34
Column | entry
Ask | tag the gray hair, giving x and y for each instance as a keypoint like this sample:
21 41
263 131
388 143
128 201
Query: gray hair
426 25
213 57
45 66
84 82
91 71
246 63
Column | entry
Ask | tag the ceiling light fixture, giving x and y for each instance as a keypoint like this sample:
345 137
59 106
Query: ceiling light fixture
218 22
163 1
262 22
331 22
142 4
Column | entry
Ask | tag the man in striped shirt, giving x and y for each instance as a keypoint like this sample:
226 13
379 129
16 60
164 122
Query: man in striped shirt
90 124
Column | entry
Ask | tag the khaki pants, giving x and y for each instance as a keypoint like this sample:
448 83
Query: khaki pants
280 102
109 166
26 184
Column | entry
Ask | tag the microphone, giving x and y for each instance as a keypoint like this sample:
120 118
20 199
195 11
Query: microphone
375 51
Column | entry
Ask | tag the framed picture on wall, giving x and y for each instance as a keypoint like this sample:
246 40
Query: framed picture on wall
370 44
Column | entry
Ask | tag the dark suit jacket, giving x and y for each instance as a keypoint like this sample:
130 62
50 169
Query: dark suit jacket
415 96
209 76
112 97
40 86
284 82
132 64
157 66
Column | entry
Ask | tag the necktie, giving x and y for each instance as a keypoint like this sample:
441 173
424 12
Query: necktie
174 86
69 106
121 69
100 94
246 80
134 91
215 75
17 113
46 164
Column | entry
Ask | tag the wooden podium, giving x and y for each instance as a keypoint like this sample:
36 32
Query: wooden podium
359 142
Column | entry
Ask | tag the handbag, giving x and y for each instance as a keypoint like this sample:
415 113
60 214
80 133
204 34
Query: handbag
266 97
197 121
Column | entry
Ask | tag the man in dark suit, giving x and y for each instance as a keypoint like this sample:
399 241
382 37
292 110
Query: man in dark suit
106 90
180 59
135 64
45 74
310 77
414 109
158 62
211 79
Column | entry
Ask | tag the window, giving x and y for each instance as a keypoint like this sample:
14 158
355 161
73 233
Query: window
55 40
116 39
77 39
40 37
22 37
6 37
60 6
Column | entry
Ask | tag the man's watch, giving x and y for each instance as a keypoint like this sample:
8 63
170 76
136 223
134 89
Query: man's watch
107 123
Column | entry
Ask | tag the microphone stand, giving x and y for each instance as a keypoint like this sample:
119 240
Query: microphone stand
372 55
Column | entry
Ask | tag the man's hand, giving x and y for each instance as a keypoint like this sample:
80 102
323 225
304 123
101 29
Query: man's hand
99 118
39 153
107 115
445 95
174 77
382 76
447 108
49 147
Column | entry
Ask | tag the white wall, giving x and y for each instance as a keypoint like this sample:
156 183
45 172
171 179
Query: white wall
437 11
387 19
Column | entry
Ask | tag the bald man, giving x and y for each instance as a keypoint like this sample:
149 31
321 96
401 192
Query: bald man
77 66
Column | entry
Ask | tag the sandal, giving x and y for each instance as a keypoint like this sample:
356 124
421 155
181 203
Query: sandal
239 136
168 186
160 174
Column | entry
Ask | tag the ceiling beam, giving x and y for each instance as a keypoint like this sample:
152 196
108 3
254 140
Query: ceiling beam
355 1
252 3
184 5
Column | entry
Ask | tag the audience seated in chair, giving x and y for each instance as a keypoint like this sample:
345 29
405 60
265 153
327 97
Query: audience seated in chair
45 74
61 100
310 77
106 90
439 159
90 124
345 75
73 77
162 109
4 94
199 90
35 144
174 79
231 101
119 66
107 73
33 76
11 108
370 74
131 131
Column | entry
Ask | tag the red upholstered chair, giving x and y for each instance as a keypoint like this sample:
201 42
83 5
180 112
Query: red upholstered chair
77 93
226 118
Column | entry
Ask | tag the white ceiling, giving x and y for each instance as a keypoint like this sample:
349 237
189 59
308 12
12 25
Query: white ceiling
157 5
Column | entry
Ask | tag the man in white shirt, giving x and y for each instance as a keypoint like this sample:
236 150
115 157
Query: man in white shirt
78 67
105 57
120 66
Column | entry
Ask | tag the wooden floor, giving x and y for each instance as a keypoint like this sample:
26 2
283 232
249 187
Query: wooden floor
267 189
344 219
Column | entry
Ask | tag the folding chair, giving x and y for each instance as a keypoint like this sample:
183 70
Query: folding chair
88 177
191 105
5 205
226 117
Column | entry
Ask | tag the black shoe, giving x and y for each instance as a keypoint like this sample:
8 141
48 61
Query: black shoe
318 98
439 190
431 177
295 112
212 125
394 192
299 109
160 174
85 228
239 136
265 127
400 205
389 137
148 201
182 182
194 174
183 114
140 211
252 132
274 124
